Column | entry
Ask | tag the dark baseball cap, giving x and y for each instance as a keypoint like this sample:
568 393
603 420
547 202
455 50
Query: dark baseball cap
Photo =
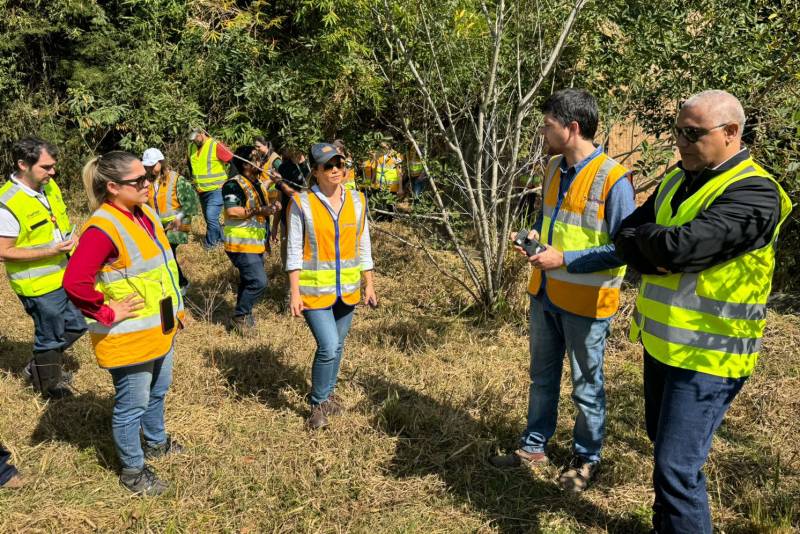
322 153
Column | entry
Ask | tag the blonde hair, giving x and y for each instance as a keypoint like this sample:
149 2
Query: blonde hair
100 170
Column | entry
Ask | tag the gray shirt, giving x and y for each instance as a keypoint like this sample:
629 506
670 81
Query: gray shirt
294 241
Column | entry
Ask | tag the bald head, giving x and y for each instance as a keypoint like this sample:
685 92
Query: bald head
709 129
720 107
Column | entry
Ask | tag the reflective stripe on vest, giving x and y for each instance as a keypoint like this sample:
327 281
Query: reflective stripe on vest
711 321
166 202
246 235
273 193
415 166
208 171
145 267
579 224
381 172
37 229
331 254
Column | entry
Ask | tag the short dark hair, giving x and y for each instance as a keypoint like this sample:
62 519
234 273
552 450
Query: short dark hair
29 149
568 105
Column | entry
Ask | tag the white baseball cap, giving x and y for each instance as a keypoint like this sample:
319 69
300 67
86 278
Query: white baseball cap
151 156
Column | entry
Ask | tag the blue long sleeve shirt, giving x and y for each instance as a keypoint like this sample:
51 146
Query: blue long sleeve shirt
619 204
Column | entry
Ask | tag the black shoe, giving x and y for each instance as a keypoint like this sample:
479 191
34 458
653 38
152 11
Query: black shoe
60 390
142 481
168 448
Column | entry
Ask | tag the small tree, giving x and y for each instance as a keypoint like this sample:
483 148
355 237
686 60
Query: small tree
479 70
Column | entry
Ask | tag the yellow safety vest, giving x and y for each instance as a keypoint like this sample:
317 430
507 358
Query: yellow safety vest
415 166
208 171
145 267
349 181
580 224
382 172
166 202
36 230
331 250
247 235
711 321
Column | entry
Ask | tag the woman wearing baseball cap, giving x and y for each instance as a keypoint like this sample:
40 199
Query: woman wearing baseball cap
328 254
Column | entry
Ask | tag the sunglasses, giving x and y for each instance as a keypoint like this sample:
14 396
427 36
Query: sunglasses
139 182
329 166
692 134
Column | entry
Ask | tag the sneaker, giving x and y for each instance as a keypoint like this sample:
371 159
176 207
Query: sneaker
142 481
15 482
577 475
332 406
520 457
318 418
168 448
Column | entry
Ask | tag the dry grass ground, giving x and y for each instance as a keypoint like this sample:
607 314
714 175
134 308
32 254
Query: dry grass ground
430 395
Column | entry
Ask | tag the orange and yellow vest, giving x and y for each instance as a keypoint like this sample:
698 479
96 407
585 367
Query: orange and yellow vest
145 267
331 250
579 224
165 202
274 193
247 235
383 172
37 227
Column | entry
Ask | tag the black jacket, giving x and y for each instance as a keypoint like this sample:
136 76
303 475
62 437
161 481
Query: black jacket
743 218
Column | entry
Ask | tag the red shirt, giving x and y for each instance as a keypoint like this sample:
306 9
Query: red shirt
94 250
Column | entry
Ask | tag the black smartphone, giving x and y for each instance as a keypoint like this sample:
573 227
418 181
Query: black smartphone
530 246
167 315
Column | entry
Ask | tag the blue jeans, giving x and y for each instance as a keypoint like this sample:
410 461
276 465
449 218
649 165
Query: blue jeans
584 340
252 280
330 327
6 469
683 409
57 322
211 201
139 406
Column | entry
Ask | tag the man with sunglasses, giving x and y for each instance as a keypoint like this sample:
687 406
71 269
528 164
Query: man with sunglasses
705 244
36 238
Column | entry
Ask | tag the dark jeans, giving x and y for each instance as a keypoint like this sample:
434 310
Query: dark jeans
683 409
330 327
211 201
182 281
252 280
6 469
57 322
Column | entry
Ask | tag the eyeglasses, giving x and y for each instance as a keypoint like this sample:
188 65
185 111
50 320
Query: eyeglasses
140 182
693 134
329 166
